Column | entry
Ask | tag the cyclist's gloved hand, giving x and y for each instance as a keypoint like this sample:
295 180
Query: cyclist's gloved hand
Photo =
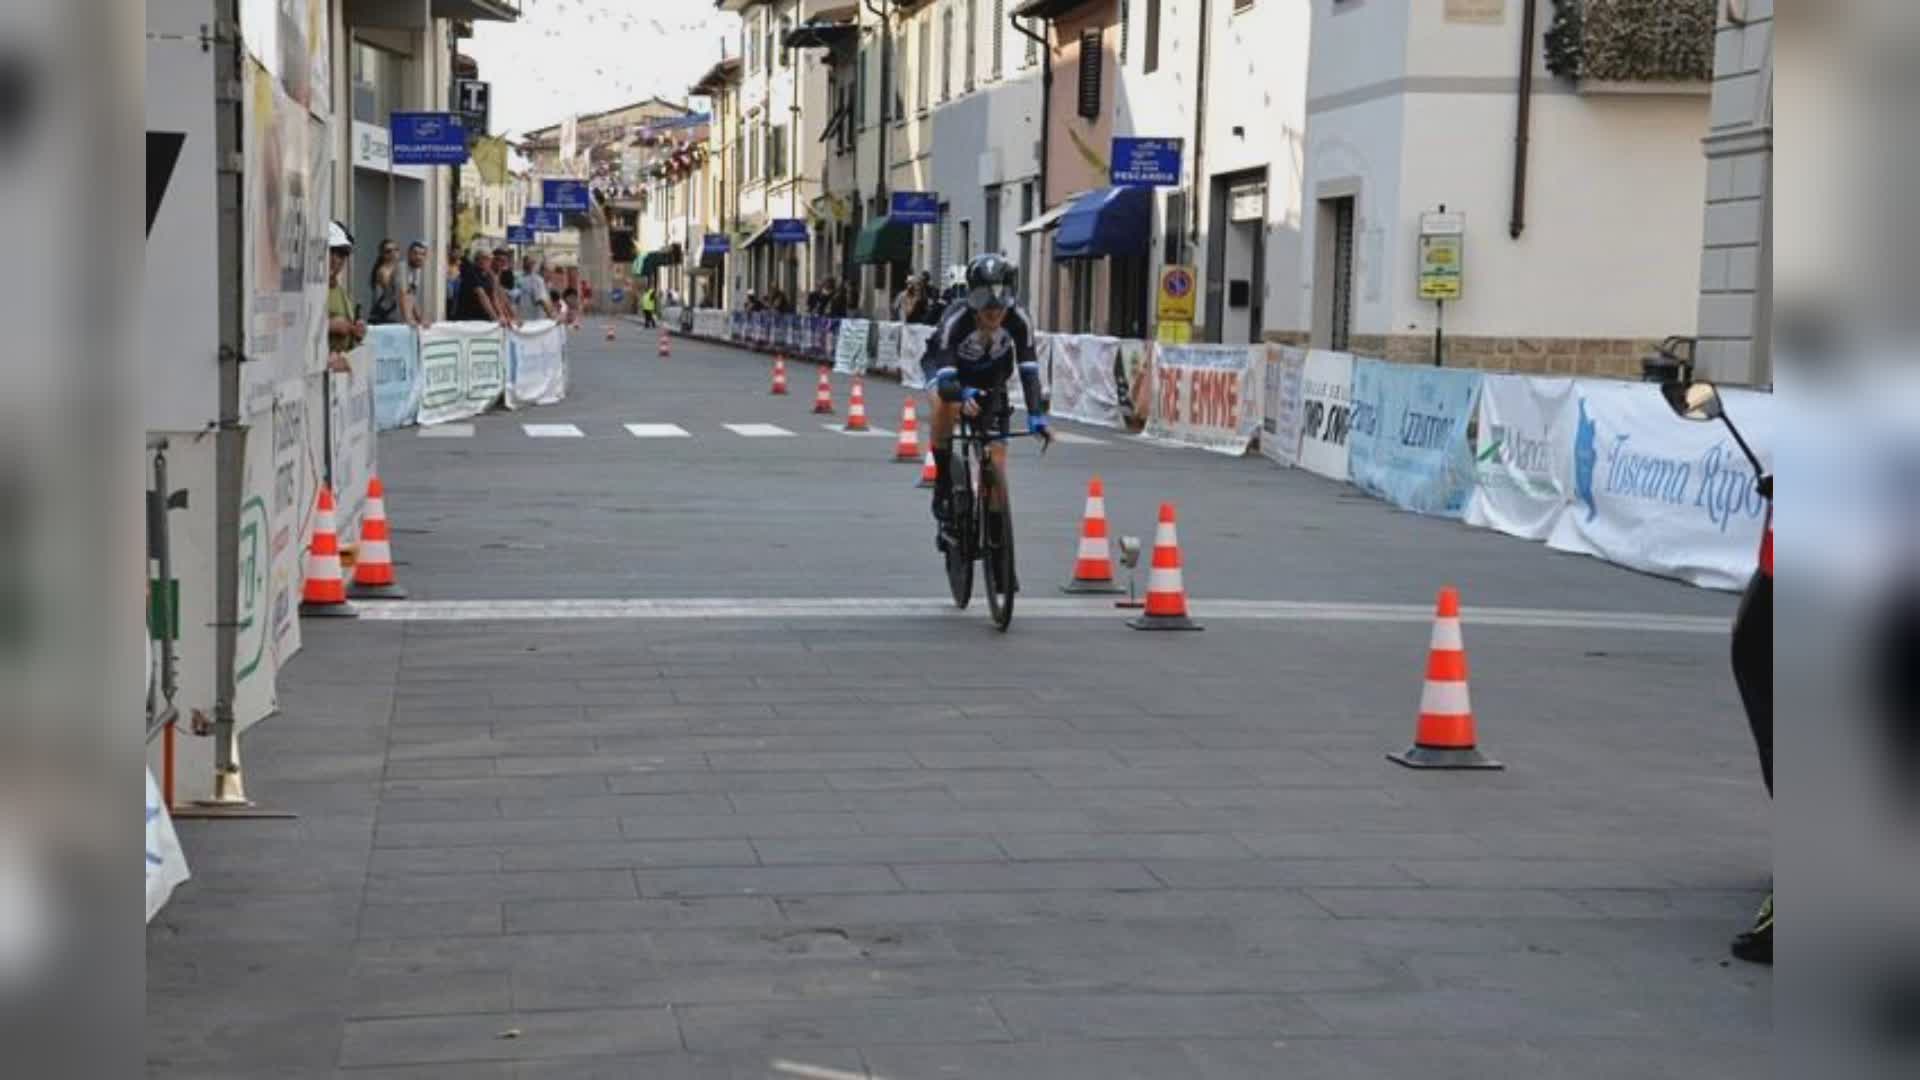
1038 426
970 398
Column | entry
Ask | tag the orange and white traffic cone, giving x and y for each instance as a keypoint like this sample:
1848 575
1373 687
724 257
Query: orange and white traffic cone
907 448
325 591
1166 588
779 376
929 472
1093 568
823 395
857 406
1444 736
373 561
666 342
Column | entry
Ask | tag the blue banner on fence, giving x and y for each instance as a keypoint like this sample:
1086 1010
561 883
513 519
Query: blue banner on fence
428 138
1408 440
396 376
915 208
1145 162
564 194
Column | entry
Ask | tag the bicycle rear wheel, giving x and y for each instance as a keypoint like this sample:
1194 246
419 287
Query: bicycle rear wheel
997 562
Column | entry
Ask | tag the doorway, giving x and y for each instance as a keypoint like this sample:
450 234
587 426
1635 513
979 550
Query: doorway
1237 258
1333 272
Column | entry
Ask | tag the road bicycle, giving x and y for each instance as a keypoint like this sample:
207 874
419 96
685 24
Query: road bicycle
975 532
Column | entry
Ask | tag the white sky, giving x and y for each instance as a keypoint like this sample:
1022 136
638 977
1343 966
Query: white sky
582 56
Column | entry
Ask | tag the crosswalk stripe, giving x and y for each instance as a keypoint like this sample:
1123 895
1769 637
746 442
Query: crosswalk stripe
553 431
759 431
658 431
447 431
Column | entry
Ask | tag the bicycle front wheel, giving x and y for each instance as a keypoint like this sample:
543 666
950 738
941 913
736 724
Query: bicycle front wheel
997 565
960 551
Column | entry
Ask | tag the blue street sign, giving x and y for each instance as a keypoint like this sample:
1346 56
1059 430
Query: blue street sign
519 235
543 219
564 194
1146 162
915 207
788 230
428 138
716 244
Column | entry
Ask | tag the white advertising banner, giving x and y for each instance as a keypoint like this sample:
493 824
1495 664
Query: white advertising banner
1207 396
536 364
850 347
350 404
1521 464
913 349
1326 412
166 863
1084 384
464 368
180 312
887 346
1282 402
288 202
1134 379
1660 494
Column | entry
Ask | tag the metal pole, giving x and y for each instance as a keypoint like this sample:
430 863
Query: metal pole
229 791
1439 335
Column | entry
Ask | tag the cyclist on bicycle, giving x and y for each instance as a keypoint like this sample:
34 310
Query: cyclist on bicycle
979 344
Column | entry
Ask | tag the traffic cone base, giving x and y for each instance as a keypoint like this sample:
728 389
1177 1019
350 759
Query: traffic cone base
1429 757
1166 607
857 406
1444 737
823 395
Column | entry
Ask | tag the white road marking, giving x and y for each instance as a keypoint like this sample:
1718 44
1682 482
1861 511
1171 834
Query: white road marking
759 431
1033 607
1075 439
553 431
841 429
447 431
658 431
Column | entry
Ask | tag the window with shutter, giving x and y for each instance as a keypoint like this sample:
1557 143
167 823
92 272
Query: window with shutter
946 54
1089 74
900 77
926 66
1150 61
999 37
1126 28
973 37
860 91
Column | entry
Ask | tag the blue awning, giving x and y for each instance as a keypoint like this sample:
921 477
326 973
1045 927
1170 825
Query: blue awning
1106 221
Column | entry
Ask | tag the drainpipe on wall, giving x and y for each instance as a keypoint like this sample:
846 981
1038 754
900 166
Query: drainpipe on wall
1523 120
1200 126
1046 100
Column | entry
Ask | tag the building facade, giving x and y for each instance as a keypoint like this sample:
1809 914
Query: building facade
1736 263
1577 251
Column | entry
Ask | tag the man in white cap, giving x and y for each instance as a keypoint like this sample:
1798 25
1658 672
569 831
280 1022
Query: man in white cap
345 328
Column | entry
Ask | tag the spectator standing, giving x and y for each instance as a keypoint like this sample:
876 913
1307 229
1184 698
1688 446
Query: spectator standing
650 306
384 288
413 286
502 276
473 296
536 301
841 302
344 327
452 287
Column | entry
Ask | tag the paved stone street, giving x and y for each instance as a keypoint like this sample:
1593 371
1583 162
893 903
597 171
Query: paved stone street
876 838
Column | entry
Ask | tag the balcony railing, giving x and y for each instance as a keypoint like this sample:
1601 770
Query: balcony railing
1632 41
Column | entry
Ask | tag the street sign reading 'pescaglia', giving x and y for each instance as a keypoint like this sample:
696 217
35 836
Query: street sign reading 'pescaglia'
1145 162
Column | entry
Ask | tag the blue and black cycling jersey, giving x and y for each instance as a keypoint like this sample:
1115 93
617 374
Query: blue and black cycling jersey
985 362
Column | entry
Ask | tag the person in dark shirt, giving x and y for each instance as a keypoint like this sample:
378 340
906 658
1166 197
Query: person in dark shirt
474 300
